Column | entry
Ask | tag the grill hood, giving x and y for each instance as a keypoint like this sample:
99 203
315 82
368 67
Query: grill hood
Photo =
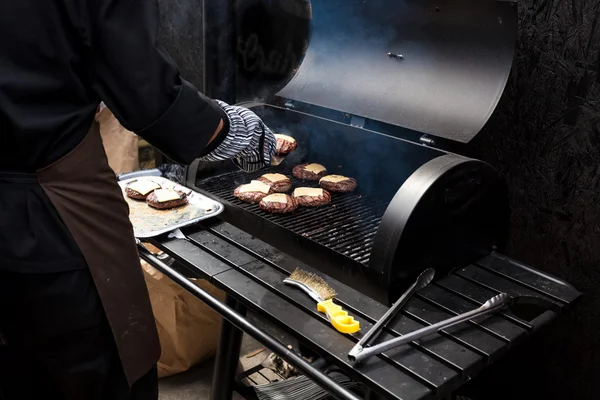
456 59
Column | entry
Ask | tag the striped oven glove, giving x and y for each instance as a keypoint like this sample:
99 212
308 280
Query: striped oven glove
249 143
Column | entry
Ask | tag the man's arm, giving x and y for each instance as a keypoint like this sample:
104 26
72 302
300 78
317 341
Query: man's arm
142 86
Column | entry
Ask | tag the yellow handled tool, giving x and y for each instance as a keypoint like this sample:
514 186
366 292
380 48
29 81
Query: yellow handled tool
323 294
338 317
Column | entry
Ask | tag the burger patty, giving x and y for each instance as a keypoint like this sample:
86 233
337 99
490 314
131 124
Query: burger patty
313 201
284 146
301 172
281 186
250 197
277 207
132 194
166 205
342 186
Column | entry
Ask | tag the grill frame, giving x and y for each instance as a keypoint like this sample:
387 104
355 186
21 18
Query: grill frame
404 247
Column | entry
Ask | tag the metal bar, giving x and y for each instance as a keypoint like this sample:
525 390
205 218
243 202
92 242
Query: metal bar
243 324
228 353
495 303
423 280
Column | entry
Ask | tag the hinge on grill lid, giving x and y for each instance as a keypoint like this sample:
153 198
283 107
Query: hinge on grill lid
290 105
427 140
358 122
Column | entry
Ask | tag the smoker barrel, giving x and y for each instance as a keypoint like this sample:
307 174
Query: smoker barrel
415 207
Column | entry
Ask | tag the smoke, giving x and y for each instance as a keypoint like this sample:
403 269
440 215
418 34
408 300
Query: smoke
343 32
380 163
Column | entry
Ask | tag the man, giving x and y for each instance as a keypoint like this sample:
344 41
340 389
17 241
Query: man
75 316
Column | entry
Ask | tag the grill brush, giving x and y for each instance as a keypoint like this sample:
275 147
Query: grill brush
323 294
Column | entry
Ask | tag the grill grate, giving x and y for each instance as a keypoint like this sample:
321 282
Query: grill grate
347 226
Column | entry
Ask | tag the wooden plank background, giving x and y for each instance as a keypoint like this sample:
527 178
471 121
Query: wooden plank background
545 140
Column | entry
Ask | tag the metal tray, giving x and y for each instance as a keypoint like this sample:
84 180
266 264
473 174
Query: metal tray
149 222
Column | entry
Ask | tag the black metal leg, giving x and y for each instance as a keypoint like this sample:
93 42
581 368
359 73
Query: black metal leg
228 355
372 396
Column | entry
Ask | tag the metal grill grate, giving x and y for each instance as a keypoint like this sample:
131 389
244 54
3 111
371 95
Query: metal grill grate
347 225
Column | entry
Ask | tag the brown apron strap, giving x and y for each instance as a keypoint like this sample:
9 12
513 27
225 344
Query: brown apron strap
85 192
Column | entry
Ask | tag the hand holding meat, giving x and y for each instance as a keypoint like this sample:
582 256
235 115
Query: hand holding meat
285 144
249 142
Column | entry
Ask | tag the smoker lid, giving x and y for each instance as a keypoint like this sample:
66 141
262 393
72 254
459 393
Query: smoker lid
457 56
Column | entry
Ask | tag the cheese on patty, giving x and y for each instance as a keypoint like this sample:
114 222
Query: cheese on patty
144 186
311 192
255 186
284 137
164 195
277 198
315 168
275 177
334 178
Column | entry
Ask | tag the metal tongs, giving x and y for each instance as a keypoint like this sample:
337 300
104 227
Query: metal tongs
277 159
360 352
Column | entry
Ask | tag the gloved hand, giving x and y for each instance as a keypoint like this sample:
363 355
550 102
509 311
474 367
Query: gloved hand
249 143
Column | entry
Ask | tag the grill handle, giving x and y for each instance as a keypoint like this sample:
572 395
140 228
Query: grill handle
494 304
242 323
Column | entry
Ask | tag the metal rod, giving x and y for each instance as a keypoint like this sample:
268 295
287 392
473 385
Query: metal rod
495 303
241 323
423 280
228 355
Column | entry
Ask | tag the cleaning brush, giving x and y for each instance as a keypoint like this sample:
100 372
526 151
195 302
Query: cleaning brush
323 294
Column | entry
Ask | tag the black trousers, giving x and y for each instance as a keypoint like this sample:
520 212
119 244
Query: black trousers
58 344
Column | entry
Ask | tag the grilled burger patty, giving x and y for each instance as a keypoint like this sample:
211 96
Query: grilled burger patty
253 192
278 203
134 195
309 172
312 197
285 144
139 190
278 182
153 202
338 183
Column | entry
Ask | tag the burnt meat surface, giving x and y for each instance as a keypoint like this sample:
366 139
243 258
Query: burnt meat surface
279 208
301 172
345 186
167 205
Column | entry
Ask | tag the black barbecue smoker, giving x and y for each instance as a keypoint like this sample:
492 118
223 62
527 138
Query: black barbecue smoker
388 92
385 93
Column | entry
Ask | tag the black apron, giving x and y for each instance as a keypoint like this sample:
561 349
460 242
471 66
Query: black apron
85 193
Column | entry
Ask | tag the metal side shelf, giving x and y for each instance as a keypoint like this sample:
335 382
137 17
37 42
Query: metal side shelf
252 272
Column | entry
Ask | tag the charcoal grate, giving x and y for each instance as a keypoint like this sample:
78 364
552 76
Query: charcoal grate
347 225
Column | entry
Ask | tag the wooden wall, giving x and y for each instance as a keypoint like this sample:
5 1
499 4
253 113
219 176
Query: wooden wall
545 139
